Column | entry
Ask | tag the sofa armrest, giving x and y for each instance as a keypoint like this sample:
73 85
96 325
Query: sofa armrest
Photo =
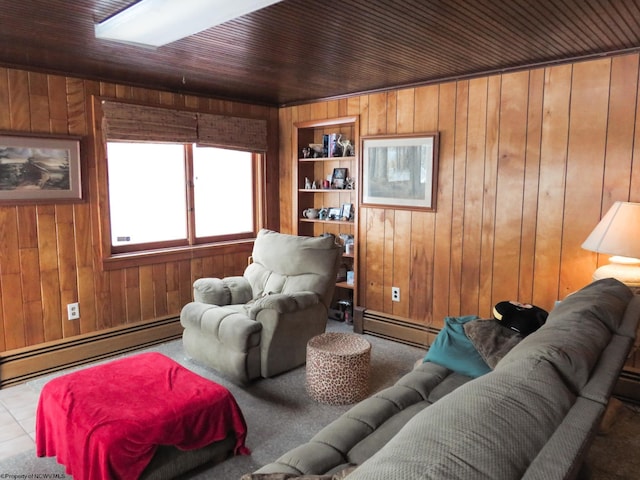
282 303
565 451
222 291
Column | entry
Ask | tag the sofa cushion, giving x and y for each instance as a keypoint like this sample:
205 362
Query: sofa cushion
340 475
308 457
370 445
576 332
366 417
432 381
453 349
492 427
613 297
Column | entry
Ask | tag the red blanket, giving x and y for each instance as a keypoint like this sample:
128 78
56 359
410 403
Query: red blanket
107 421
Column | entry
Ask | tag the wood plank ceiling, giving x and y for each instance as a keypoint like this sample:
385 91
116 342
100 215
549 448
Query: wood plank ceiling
298 51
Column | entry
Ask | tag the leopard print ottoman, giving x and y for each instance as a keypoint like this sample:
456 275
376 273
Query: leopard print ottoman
338 368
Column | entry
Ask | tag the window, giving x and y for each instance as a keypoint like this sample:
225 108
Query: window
165 195
223 178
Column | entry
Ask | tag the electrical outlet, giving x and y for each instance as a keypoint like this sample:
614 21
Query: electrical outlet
73 311
395 294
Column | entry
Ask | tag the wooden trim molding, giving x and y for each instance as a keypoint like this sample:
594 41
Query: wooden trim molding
176 254
21 365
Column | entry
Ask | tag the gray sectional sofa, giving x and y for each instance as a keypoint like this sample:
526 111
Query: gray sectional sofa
533 416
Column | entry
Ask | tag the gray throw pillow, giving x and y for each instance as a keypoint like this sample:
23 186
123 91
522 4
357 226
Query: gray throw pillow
492 340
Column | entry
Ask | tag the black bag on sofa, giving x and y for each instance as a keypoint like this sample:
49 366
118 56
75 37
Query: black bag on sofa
523 318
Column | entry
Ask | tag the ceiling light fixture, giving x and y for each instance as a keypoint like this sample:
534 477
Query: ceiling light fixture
158 22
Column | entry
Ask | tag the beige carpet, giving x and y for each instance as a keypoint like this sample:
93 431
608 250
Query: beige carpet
281 416
615 452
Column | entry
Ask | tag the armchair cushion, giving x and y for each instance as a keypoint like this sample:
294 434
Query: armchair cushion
290 264
222 291
282 303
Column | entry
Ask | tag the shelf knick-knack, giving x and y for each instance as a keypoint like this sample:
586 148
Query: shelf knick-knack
344 146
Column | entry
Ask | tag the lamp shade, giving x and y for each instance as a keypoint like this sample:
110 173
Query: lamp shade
618 233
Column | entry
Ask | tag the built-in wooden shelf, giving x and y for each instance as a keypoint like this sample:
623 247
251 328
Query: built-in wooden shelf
321 171
317 220
327 159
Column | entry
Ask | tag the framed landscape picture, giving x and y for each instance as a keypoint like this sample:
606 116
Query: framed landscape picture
39 169
400 171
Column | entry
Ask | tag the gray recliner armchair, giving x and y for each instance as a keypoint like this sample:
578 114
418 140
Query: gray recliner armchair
258 324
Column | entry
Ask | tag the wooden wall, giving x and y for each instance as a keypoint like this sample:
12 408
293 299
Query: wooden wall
49 253
528 164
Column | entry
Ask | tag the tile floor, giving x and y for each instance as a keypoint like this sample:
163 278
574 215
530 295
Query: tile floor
17 420
18 406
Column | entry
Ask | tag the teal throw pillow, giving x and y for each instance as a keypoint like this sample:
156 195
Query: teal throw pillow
452 349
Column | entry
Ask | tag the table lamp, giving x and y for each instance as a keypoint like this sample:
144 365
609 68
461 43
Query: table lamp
618 234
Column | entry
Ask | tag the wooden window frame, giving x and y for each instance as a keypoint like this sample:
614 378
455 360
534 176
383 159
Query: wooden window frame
168 253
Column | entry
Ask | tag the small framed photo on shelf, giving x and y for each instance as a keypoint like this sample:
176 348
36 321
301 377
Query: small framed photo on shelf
339 178
346 212
334 213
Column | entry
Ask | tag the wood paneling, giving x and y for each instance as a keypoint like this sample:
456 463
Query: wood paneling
529 162
50 253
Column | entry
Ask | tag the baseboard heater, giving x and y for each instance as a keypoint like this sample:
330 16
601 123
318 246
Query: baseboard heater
21 365
393 328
